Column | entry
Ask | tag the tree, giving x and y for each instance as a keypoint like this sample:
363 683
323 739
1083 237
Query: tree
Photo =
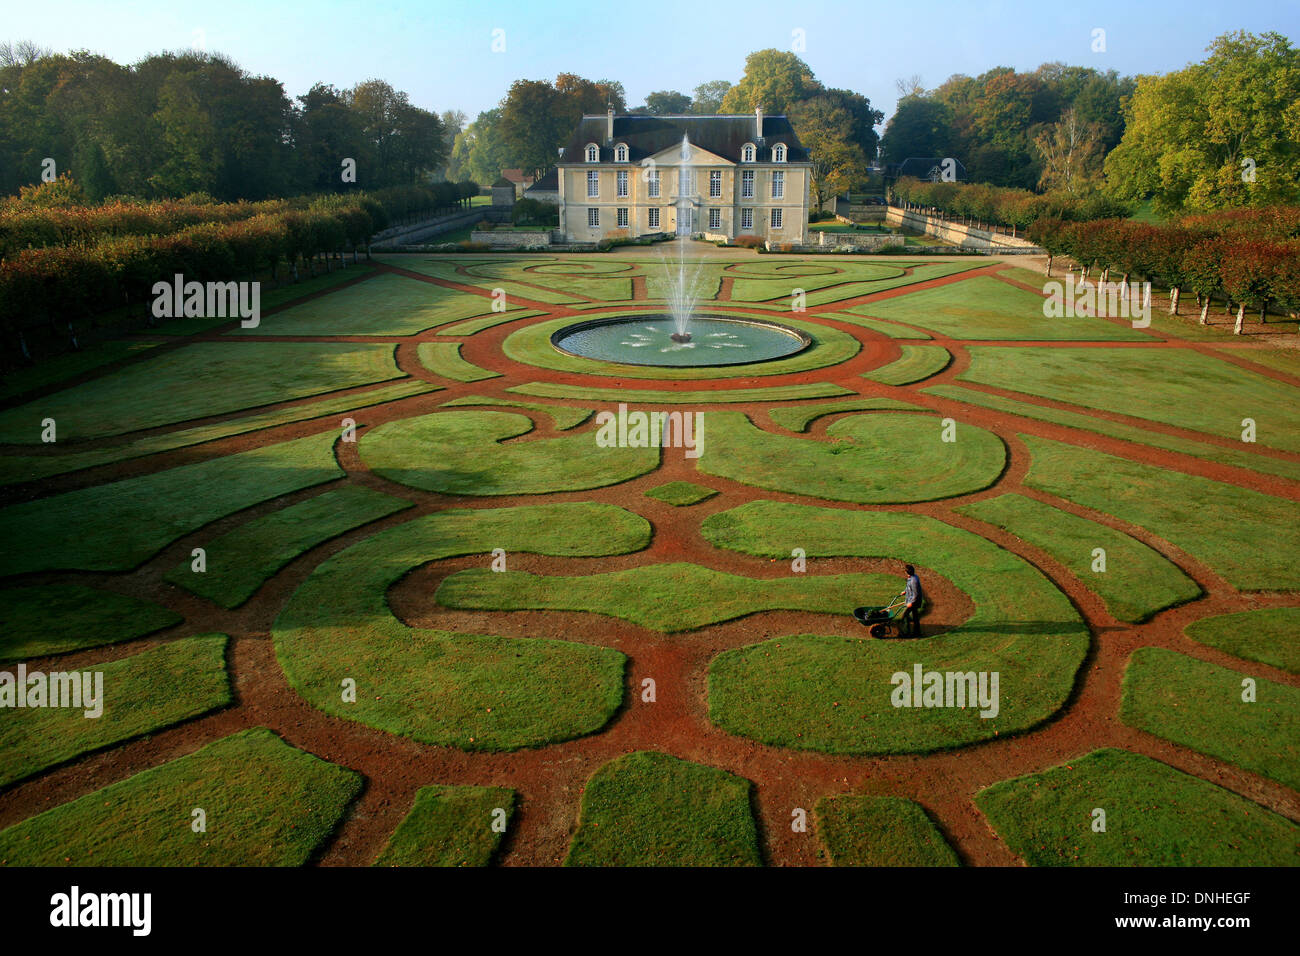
920 126
667 102
775 80
532 127
479 152
1071 154
709 96
1218 134
823 128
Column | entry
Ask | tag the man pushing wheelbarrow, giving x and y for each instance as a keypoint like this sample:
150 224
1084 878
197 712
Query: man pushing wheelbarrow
901 617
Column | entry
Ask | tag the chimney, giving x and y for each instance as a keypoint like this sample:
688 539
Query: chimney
609 124
758 117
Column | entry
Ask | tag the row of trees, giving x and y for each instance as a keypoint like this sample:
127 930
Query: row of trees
60 283
1251 258
983 205
184 122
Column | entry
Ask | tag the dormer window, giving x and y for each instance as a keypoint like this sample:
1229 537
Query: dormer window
620 153
593 153
778 153
747 153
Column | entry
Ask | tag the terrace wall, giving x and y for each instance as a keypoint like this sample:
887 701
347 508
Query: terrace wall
961 235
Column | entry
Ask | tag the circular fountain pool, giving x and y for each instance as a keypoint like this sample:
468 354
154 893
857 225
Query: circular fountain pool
646 340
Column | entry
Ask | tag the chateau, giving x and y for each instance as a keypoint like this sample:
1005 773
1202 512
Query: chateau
722 176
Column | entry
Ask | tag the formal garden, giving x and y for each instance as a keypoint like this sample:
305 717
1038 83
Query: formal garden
367 585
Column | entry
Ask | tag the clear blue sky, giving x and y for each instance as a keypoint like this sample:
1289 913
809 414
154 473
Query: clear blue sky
440 52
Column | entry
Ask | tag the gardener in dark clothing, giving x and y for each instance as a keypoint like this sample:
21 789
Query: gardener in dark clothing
914 597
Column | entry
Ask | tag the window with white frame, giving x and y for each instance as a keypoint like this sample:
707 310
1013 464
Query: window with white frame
622 216
653 180
653 221
778 154
715 218
622 182
715 183
776 218
747 154
778 184
747 184
593 217
593 184
746 218
593 153
620 154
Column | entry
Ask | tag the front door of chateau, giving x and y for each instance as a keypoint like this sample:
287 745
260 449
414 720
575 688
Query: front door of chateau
685 219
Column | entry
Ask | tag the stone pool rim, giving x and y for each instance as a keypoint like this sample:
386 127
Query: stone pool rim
805 340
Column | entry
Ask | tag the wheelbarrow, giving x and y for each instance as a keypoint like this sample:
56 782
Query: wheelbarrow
886 620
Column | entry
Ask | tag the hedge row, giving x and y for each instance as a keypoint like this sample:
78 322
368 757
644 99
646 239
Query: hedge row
999 205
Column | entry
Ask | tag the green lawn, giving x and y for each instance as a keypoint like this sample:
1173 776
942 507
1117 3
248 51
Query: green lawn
773 393
444 359
1249 538
1199 705
650 809
1122 380
60 368
681 494
123 523
833 694
916 363
880 831
921 273
241 561
1269 635
475 692
54 618
1241 457
450 826
797 418
196 381
266 803
462 453
385 304
985 308
564 416
880 458
1137 581
1155 816
664 597
141 694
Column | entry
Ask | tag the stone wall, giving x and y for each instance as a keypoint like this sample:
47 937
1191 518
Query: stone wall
871 241
856 212
962 235
421 231
511 238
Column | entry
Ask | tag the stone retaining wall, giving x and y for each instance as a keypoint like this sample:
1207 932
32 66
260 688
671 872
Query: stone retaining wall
962 235
511 238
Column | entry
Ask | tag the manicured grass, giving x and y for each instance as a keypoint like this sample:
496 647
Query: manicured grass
1155 816
681 493
241 561
141 694
474 326
531 345
16 468
1161 385
604 288
797 418
879 458
54 618
880 831
1137 581
445 268
832 694
922 273
1249 538
876 325
774 393
649 809
60 368
121 524
1241 458
757 290
916 363
664 597
267 804
450 826
1277 359
198 380
564 416
1269 635
985 308
462 453
1199 705
474 692
443 358
385 304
